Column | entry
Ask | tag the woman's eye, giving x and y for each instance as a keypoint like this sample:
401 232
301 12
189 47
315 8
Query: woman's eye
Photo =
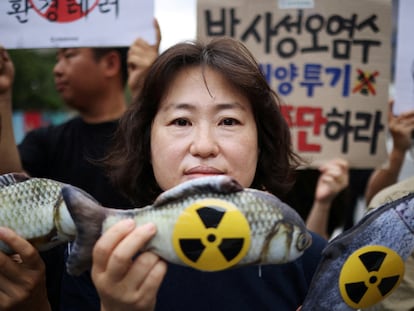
181 122
229 121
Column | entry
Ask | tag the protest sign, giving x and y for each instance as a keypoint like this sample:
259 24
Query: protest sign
75 23
329 60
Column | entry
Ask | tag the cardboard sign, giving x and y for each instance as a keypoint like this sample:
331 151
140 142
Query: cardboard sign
75 23
404 72
329 60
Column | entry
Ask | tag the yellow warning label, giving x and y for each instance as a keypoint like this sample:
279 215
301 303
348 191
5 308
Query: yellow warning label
369 275
211 235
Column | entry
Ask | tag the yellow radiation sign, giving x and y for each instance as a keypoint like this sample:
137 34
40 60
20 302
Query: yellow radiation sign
211 235
369 275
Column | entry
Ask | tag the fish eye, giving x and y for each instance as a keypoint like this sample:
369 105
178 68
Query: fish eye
303 241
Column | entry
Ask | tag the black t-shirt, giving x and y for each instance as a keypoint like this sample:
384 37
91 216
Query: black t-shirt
68 153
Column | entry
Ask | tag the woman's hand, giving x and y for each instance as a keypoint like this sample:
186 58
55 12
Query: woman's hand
123 279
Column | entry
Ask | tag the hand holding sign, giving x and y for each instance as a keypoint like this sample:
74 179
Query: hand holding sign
402 129
141 55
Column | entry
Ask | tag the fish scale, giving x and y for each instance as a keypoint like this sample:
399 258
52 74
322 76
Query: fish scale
44 193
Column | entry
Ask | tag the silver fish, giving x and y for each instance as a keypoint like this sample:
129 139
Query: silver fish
208 223
34 208
364 264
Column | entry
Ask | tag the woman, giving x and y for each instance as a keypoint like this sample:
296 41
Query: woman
203 110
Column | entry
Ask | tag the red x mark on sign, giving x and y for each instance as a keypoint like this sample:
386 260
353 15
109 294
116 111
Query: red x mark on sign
366 82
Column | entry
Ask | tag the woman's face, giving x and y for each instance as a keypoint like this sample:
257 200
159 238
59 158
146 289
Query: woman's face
199 132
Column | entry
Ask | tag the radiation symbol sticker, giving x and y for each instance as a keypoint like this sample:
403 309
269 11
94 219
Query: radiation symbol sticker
369 275
211 235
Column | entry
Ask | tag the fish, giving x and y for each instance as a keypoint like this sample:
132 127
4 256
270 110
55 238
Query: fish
34 209
209 223
364 264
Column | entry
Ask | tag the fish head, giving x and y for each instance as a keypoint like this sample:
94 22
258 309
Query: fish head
288 242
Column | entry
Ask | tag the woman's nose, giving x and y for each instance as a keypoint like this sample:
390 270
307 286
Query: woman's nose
204 143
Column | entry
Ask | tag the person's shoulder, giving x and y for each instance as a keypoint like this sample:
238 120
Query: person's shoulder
52 129
50 134
392 193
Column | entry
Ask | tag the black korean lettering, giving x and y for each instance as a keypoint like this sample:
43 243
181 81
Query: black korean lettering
377 127
366 45
288 23
314 24
107 6
366 119
252 31
369 22
341 49
338 127
337 24
217 27
286 47
20 9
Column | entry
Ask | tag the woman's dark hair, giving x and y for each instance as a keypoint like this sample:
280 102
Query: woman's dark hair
129 162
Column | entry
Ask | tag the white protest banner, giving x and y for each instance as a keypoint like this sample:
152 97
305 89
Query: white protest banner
329 60
75 23
404 70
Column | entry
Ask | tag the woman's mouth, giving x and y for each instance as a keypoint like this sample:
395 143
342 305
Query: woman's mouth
200 171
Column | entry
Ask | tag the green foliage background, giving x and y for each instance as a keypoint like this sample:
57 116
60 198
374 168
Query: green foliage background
33 87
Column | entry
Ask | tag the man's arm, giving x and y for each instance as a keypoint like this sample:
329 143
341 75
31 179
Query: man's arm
141 55
401 128
334 178
9 154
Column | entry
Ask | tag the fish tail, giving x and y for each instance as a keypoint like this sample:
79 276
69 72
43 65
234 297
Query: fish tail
88 216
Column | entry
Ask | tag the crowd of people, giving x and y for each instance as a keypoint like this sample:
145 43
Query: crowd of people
197 110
